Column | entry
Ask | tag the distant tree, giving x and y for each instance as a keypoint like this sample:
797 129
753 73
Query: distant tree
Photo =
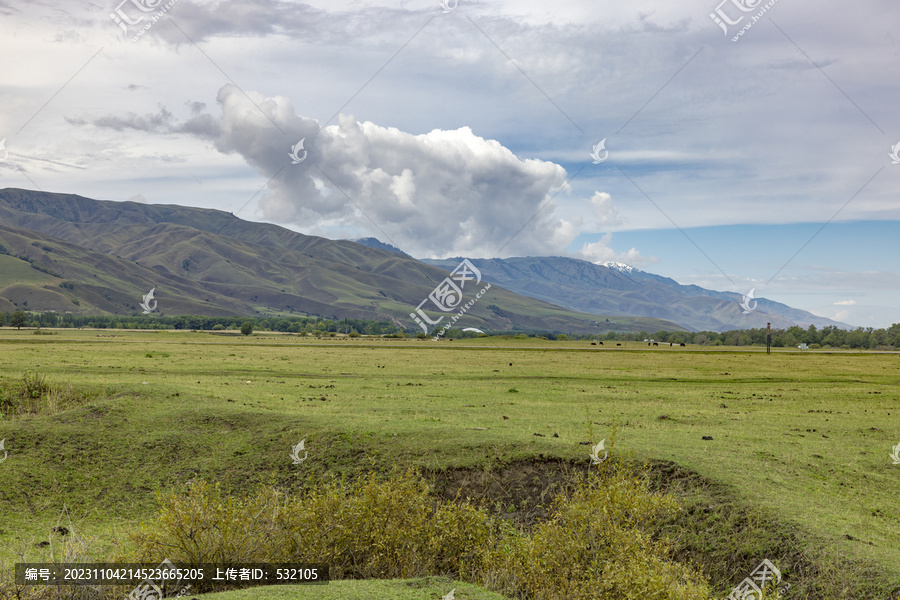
2 319
831 339
247 328
18 319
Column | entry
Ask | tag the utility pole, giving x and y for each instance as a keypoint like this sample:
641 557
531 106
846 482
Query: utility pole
768 338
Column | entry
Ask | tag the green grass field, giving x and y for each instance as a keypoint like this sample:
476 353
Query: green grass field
799 447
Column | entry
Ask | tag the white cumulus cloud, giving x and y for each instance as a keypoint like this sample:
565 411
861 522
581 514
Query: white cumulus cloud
437 194
600 252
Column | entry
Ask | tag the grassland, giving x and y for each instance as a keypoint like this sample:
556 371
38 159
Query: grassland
799 446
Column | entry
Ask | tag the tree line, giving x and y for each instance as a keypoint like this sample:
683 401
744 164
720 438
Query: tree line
307 325
826 337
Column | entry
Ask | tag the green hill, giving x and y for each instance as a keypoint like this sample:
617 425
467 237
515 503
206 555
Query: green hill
67 253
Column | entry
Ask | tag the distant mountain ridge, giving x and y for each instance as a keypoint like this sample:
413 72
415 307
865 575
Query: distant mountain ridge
67 253
376 243
621 289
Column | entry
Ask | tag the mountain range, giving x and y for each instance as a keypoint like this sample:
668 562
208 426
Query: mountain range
618 289
67 253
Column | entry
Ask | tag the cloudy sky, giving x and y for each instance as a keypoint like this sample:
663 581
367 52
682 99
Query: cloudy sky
745 144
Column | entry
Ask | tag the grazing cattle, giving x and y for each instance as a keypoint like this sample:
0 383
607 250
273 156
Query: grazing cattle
593 343
618 344
671 344
655 344
682 344
601 343
648 343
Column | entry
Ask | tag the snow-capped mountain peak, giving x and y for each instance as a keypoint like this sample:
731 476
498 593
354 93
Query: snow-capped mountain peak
617 266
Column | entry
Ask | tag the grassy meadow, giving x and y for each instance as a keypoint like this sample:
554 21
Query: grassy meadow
796 470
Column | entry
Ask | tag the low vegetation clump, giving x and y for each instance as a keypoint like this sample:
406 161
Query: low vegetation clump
33 394
598 542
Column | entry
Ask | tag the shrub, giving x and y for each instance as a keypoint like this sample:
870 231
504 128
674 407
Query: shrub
247 327
34 394
598 542
34 385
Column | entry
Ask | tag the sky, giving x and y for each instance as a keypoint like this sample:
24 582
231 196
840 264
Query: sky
735 144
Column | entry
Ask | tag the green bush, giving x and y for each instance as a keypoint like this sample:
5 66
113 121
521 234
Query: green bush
598 543
34 394
34 385
247 327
